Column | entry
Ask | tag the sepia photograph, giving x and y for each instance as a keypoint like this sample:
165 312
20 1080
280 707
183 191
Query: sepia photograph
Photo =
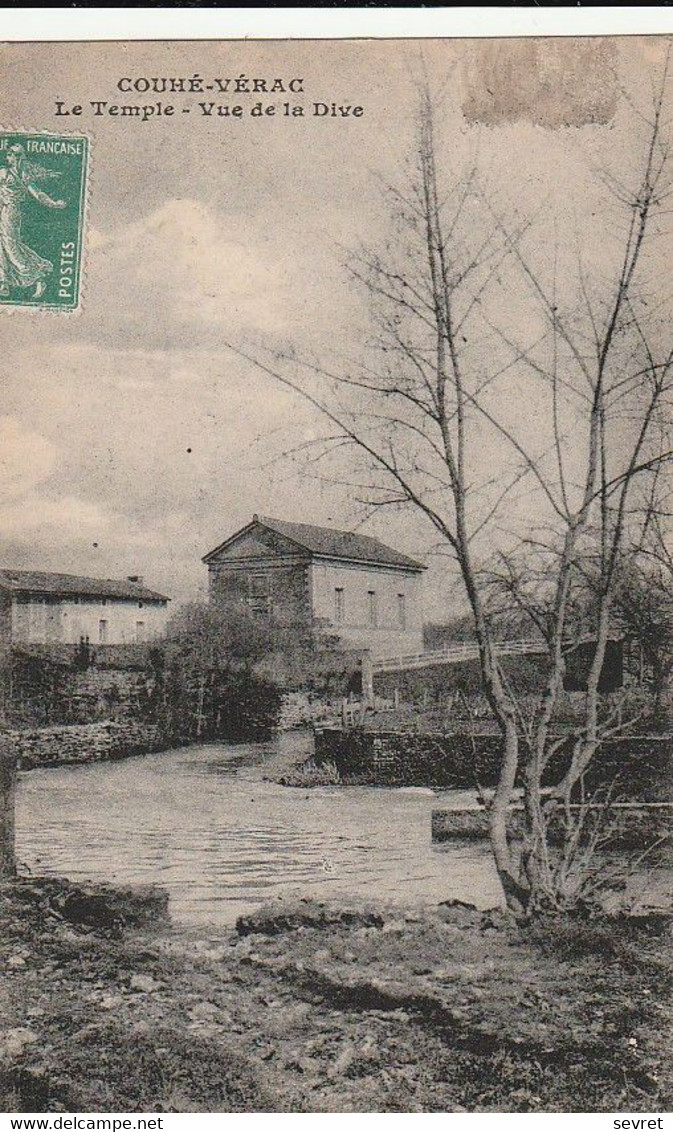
336 577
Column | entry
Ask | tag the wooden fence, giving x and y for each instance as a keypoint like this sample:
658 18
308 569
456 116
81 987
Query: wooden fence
454 654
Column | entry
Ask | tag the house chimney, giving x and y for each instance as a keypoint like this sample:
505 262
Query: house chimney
139 578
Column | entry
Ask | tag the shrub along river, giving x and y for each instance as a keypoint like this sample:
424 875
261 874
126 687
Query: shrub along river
204 823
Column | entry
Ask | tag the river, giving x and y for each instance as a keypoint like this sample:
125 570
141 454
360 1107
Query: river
202 822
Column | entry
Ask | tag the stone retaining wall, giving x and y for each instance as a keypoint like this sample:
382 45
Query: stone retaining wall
395 758
48 692
642 765
73 743
84 743
627 826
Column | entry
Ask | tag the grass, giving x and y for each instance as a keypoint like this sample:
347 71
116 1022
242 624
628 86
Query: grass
311 773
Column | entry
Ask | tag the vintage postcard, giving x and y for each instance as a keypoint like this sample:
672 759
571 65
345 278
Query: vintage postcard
336 578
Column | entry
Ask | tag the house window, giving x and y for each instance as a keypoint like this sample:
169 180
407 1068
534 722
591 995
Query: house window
401 611
339 606
259 593
102 632
372 608
140 631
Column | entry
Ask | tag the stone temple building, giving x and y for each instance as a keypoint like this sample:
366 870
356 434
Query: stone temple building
349 585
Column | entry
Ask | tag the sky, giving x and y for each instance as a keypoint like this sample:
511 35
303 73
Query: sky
132 440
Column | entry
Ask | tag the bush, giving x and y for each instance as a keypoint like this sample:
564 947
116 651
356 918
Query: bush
312 774
205 672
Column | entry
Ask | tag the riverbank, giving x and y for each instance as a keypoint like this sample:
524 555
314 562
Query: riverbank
313 1007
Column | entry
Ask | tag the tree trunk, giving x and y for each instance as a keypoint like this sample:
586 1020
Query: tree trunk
516 895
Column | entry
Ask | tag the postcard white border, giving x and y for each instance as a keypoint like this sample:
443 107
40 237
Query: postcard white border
63 24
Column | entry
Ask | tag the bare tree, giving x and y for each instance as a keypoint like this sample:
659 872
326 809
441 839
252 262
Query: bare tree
438 415
644 585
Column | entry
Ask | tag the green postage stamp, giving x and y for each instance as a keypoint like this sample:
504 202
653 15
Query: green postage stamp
43 184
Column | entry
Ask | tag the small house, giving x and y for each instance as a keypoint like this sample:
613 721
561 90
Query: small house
44 608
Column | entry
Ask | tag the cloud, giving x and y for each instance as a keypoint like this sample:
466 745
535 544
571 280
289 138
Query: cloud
26 458
150 431
61 519
184 276
152 456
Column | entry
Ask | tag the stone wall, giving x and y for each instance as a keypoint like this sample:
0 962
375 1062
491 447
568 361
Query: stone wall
380 607
85 743
283 588
641 765
403 759
626 826
7 796
49 690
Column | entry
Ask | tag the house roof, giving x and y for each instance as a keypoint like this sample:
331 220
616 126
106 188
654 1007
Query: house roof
41 582
325 542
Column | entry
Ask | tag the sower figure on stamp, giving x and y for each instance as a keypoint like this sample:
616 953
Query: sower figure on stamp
20 266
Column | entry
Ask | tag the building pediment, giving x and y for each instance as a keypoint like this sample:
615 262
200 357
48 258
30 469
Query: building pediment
266 537
255 542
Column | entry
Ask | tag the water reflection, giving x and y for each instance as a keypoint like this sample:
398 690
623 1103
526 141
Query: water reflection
203 823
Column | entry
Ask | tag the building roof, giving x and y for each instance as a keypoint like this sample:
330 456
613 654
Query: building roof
325 542
41 582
